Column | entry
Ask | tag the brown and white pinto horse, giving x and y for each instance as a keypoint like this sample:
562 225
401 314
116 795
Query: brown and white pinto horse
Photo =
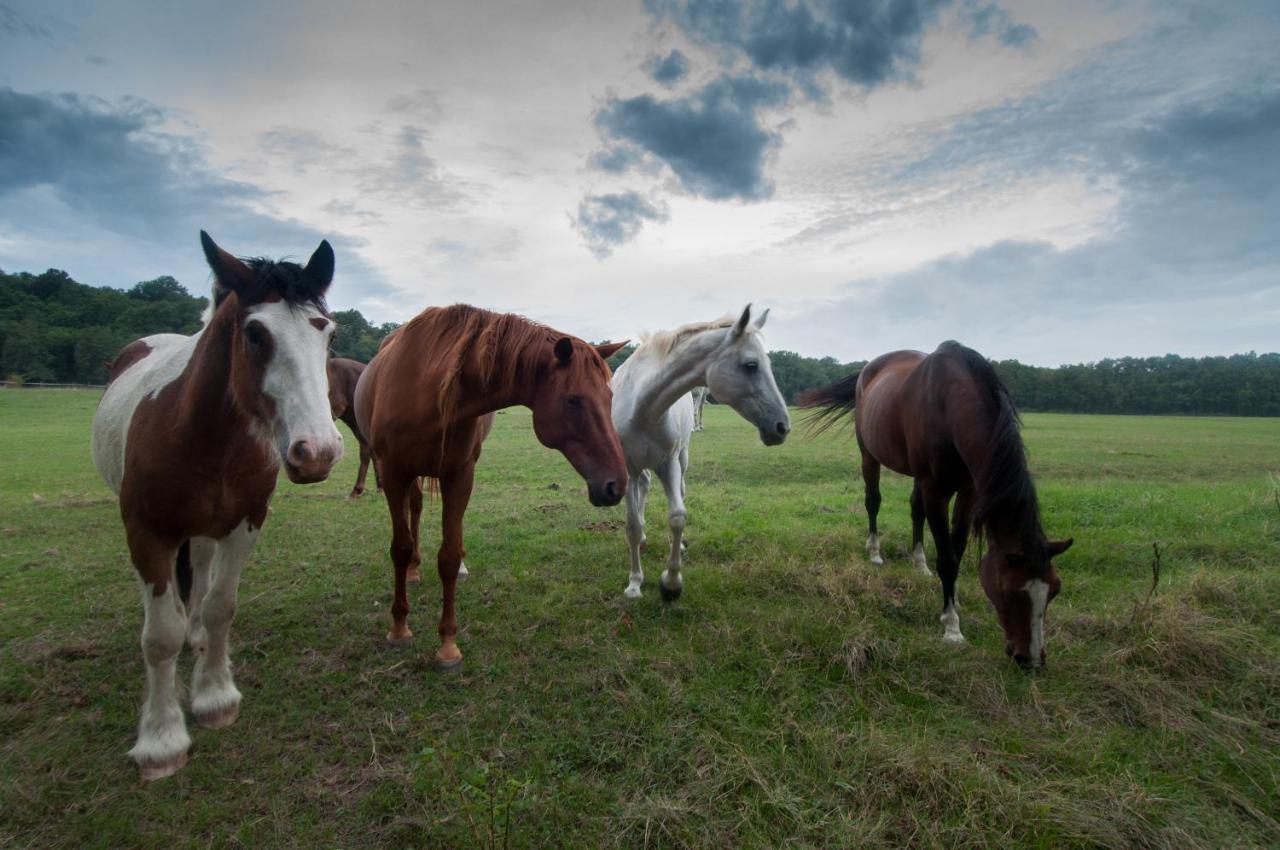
426 403
947 420
191 433
343 376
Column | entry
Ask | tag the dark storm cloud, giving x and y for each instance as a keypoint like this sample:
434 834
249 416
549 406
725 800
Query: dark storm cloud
607 221
669 69
989 19
864 42
716 139
713 139
105 171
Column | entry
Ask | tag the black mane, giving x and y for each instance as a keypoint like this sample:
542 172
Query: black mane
1006 491
283 278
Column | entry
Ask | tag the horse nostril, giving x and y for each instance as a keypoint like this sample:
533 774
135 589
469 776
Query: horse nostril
301 451
611 489
1022 661
783 428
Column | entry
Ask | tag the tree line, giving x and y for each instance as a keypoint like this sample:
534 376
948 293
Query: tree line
55 329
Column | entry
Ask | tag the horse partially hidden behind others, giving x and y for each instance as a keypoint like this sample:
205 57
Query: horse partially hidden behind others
343 376
947 420
426 402
191 433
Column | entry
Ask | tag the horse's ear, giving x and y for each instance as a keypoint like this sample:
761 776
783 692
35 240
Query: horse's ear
740 327
320 266
227 270
564 350
1057 547
760 321
608 349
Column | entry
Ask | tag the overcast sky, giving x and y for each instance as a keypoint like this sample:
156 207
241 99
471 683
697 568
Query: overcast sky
1048 181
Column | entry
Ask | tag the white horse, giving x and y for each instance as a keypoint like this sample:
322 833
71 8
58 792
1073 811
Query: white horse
653 412
699 396
191 433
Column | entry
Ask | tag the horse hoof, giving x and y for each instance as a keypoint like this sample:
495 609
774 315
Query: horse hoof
399 640
953 637
463 572
413 577
632 591
219 718
446 665
877 560
151 771
670 594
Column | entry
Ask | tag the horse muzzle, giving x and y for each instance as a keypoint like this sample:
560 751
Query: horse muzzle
775 433
308 461
604 494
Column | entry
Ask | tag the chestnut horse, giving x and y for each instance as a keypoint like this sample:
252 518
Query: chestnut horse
947 420
191 433
426 402
343 375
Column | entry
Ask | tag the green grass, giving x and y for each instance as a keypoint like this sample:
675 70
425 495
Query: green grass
794 696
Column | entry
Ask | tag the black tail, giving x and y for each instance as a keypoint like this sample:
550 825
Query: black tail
182 571
830 403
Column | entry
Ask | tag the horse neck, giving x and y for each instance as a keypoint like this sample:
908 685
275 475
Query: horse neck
208 406
684 368
510 380
1003 483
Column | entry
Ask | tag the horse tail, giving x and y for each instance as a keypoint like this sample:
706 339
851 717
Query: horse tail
830 404
182 571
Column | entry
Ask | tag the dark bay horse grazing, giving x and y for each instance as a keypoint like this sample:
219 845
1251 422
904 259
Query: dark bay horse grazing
947 420
426 403
191 434
343 376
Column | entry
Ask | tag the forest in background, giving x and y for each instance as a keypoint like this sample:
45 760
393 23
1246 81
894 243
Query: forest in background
55 329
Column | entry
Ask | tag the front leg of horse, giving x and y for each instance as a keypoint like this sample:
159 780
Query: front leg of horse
455 493
935 505
215 700
637 491
202 552
670 583
397 495
162 744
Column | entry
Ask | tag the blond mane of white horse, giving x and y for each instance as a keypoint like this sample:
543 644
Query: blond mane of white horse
653 411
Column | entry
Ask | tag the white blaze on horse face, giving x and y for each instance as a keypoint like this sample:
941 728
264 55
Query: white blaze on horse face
296 377
1039 593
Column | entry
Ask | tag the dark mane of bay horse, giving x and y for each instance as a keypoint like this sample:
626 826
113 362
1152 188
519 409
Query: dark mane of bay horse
1006 489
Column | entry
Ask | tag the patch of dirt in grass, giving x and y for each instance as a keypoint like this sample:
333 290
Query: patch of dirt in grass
603 525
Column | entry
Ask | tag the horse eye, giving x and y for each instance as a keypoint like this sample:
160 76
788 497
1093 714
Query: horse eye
573 401
751 365
253 334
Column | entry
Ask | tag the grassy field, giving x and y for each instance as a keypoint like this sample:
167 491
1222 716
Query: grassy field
795 695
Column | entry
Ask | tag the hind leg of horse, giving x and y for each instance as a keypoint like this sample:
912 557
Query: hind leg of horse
961 522
215 700
455 493
202 551
358 489
871 486
918 558
670 583
637 492
397 495
935 501
162 743
414 576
